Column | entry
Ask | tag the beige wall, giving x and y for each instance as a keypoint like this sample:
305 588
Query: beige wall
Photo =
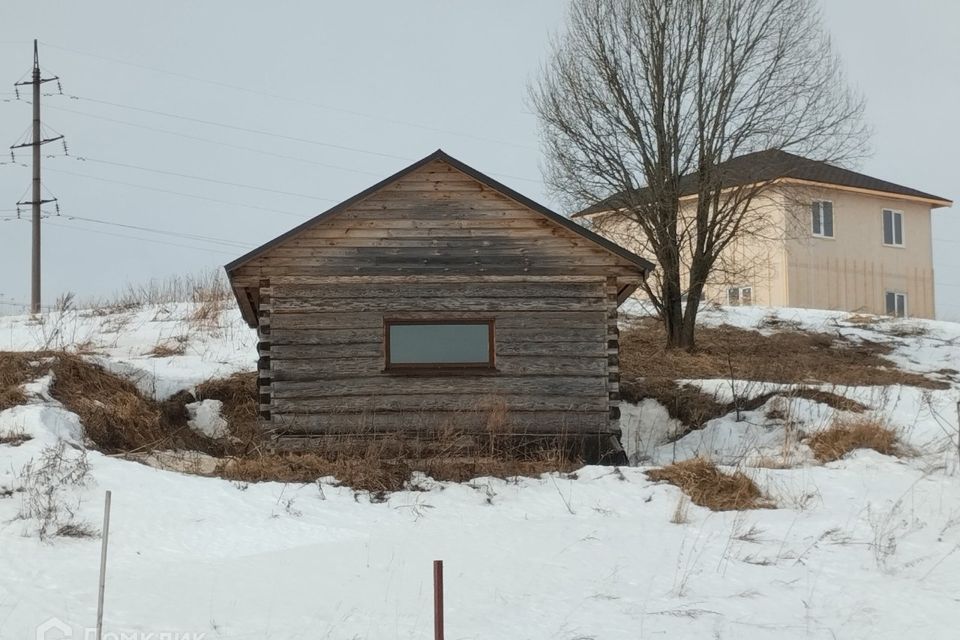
854 270
785 265
758 259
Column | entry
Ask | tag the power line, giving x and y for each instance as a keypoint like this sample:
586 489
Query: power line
182 194
216 142
239 128
177 234
272 134
300 101
129 237
200 178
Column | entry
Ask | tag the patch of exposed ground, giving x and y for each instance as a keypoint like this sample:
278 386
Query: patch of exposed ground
649 370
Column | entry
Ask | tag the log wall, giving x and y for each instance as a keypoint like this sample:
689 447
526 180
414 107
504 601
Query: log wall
326 358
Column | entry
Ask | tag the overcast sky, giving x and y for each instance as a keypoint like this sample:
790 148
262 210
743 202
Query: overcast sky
327 98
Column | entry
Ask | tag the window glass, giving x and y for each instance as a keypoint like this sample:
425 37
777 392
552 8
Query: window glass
740 296
892 227
821 216
827 210
896 304
441 343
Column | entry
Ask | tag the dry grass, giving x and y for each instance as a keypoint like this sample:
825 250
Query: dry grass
14 437
694 408
845 436
238 393
788 357
381 462
649 369
16 369
119 419
709 487
169 348
199 287
116 416
681 512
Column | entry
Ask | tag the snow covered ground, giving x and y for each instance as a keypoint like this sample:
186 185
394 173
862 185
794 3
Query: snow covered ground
866 547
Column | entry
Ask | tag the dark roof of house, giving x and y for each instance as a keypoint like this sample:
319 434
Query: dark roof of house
773 164
645 265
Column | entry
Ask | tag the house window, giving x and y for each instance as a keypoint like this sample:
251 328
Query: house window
896 304
440 344
892 228
740 296
821 217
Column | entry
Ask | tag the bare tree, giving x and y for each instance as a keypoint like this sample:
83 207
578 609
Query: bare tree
639 97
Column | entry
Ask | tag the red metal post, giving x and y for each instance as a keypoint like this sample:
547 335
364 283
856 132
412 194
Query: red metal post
438 599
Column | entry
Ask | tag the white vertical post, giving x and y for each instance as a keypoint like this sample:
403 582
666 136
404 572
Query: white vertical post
103 563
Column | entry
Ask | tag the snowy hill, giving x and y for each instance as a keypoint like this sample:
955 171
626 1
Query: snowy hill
867 546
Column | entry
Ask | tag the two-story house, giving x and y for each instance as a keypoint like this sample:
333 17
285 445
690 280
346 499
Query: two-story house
833 238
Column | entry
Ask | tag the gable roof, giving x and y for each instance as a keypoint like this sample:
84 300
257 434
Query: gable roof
644 265
774 164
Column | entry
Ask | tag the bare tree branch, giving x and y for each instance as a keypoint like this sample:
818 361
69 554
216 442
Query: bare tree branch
638 97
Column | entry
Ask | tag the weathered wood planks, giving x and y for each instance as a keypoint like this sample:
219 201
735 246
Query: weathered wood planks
436 244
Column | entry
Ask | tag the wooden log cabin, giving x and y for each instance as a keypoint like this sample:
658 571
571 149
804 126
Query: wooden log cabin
438 299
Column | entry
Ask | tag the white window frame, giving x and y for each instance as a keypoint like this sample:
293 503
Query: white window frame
833 220
896 295
739 300
893 231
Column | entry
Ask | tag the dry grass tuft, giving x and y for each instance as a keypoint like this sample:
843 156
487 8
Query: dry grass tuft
14 437
238 393
709 487
15 371
169 348
844 436
681 512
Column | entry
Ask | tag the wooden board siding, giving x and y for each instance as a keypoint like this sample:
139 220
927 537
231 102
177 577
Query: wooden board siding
437 221
327 358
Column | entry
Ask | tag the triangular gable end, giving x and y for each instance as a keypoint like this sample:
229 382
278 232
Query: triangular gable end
620 256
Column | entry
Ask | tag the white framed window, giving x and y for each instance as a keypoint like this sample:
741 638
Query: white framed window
896 304
821 218
892 228
740 296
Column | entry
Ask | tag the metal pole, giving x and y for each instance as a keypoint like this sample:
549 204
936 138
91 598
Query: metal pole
37 196
103 564
437 600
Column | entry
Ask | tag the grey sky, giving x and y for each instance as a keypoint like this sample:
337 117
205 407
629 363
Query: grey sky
426 74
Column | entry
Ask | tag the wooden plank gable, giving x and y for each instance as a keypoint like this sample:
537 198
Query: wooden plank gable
434 220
